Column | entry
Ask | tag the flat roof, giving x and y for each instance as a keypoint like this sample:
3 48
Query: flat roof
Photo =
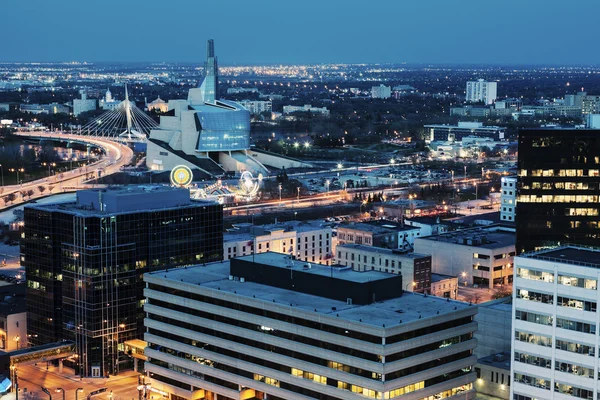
498 360
393 312
576 255
488 237
381 250
377 227
284 261
442 277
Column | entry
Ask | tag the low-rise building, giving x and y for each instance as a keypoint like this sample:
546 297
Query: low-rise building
307 241
306 108
494 327
13 318
444 286
484 255
493 375
428 225
257 106
158 105
451 133
415 268
379 233
266 327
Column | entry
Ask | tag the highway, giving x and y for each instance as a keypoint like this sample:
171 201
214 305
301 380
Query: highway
115 156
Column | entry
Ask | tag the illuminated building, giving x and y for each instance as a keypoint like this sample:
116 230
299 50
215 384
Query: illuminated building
266 326
84 263
307 241
306 108
207 134
84 104
158 105
13 318
257 106
508 198
558 188
456 133
555 339
481 91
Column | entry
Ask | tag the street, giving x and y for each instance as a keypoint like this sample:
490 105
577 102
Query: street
123 387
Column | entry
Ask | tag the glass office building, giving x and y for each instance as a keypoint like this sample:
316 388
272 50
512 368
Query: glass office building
223 126
85 262
558 188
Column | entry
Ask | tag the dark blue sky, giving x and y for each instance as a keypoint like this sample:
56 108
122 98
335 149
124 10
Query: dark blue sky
302 31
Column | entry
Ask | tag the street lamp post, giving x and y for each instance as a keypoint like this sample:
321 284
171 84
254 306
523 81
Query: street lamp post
17 170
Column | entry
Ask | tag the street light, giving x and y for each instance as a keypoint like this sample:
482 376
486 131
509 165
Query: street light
392 161
279 192
340 166
364 203
17 170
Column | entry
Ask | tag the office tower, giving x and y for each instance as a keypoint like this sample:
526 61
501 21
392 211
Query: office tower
481 91
554 343
267 326
558 188
85 260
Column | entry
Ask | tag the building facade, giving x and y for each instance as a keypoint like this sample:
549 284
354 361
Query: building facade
493 375
265 329
381 92
306 108
306 241
84 263
484 255
481 91
456 133
558 188
508 198
379 233
84 104
257 106
555 320
415 268
13 318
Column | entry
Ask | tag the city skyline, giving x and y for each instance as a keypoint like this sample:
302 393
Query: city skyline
475 33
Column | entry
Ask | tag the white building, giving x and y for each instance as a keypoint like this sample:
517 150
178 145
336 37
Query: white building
381 92
555 339
484 255
379 233
110 103
266 329
84 104
306 108
307 241
257 106
415 268
508 198
592 121
481 90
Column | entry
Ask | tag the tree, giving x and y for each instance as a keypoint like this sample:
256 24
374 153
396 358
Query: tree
30 192
41 188
9 198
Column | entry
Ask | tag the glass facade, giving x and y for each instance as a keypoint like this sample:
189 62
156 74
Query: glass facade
558 188
223 126
85 272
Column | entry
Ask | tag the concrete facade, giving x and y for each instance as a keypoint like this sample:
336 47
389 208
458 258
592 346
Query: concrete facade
494 327
485 255
493 375
508 198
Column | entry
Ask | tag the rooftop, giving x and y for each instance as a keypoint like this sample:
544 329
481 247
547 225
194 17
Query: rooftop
284 261
126 199
488 238
381 250
377 226
441 277
499 360
393 312
569 254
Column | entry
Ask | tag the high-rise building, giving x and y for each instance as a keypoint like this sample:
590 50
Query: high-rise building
555 319
266 326
85 260
558 188
481 91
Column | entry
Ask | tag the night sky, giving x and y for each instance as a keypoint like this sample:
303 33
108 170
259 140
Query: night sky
302 31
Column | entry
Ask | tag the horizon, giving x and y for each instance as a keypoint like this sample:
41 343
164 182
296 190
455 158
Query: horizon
431 32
